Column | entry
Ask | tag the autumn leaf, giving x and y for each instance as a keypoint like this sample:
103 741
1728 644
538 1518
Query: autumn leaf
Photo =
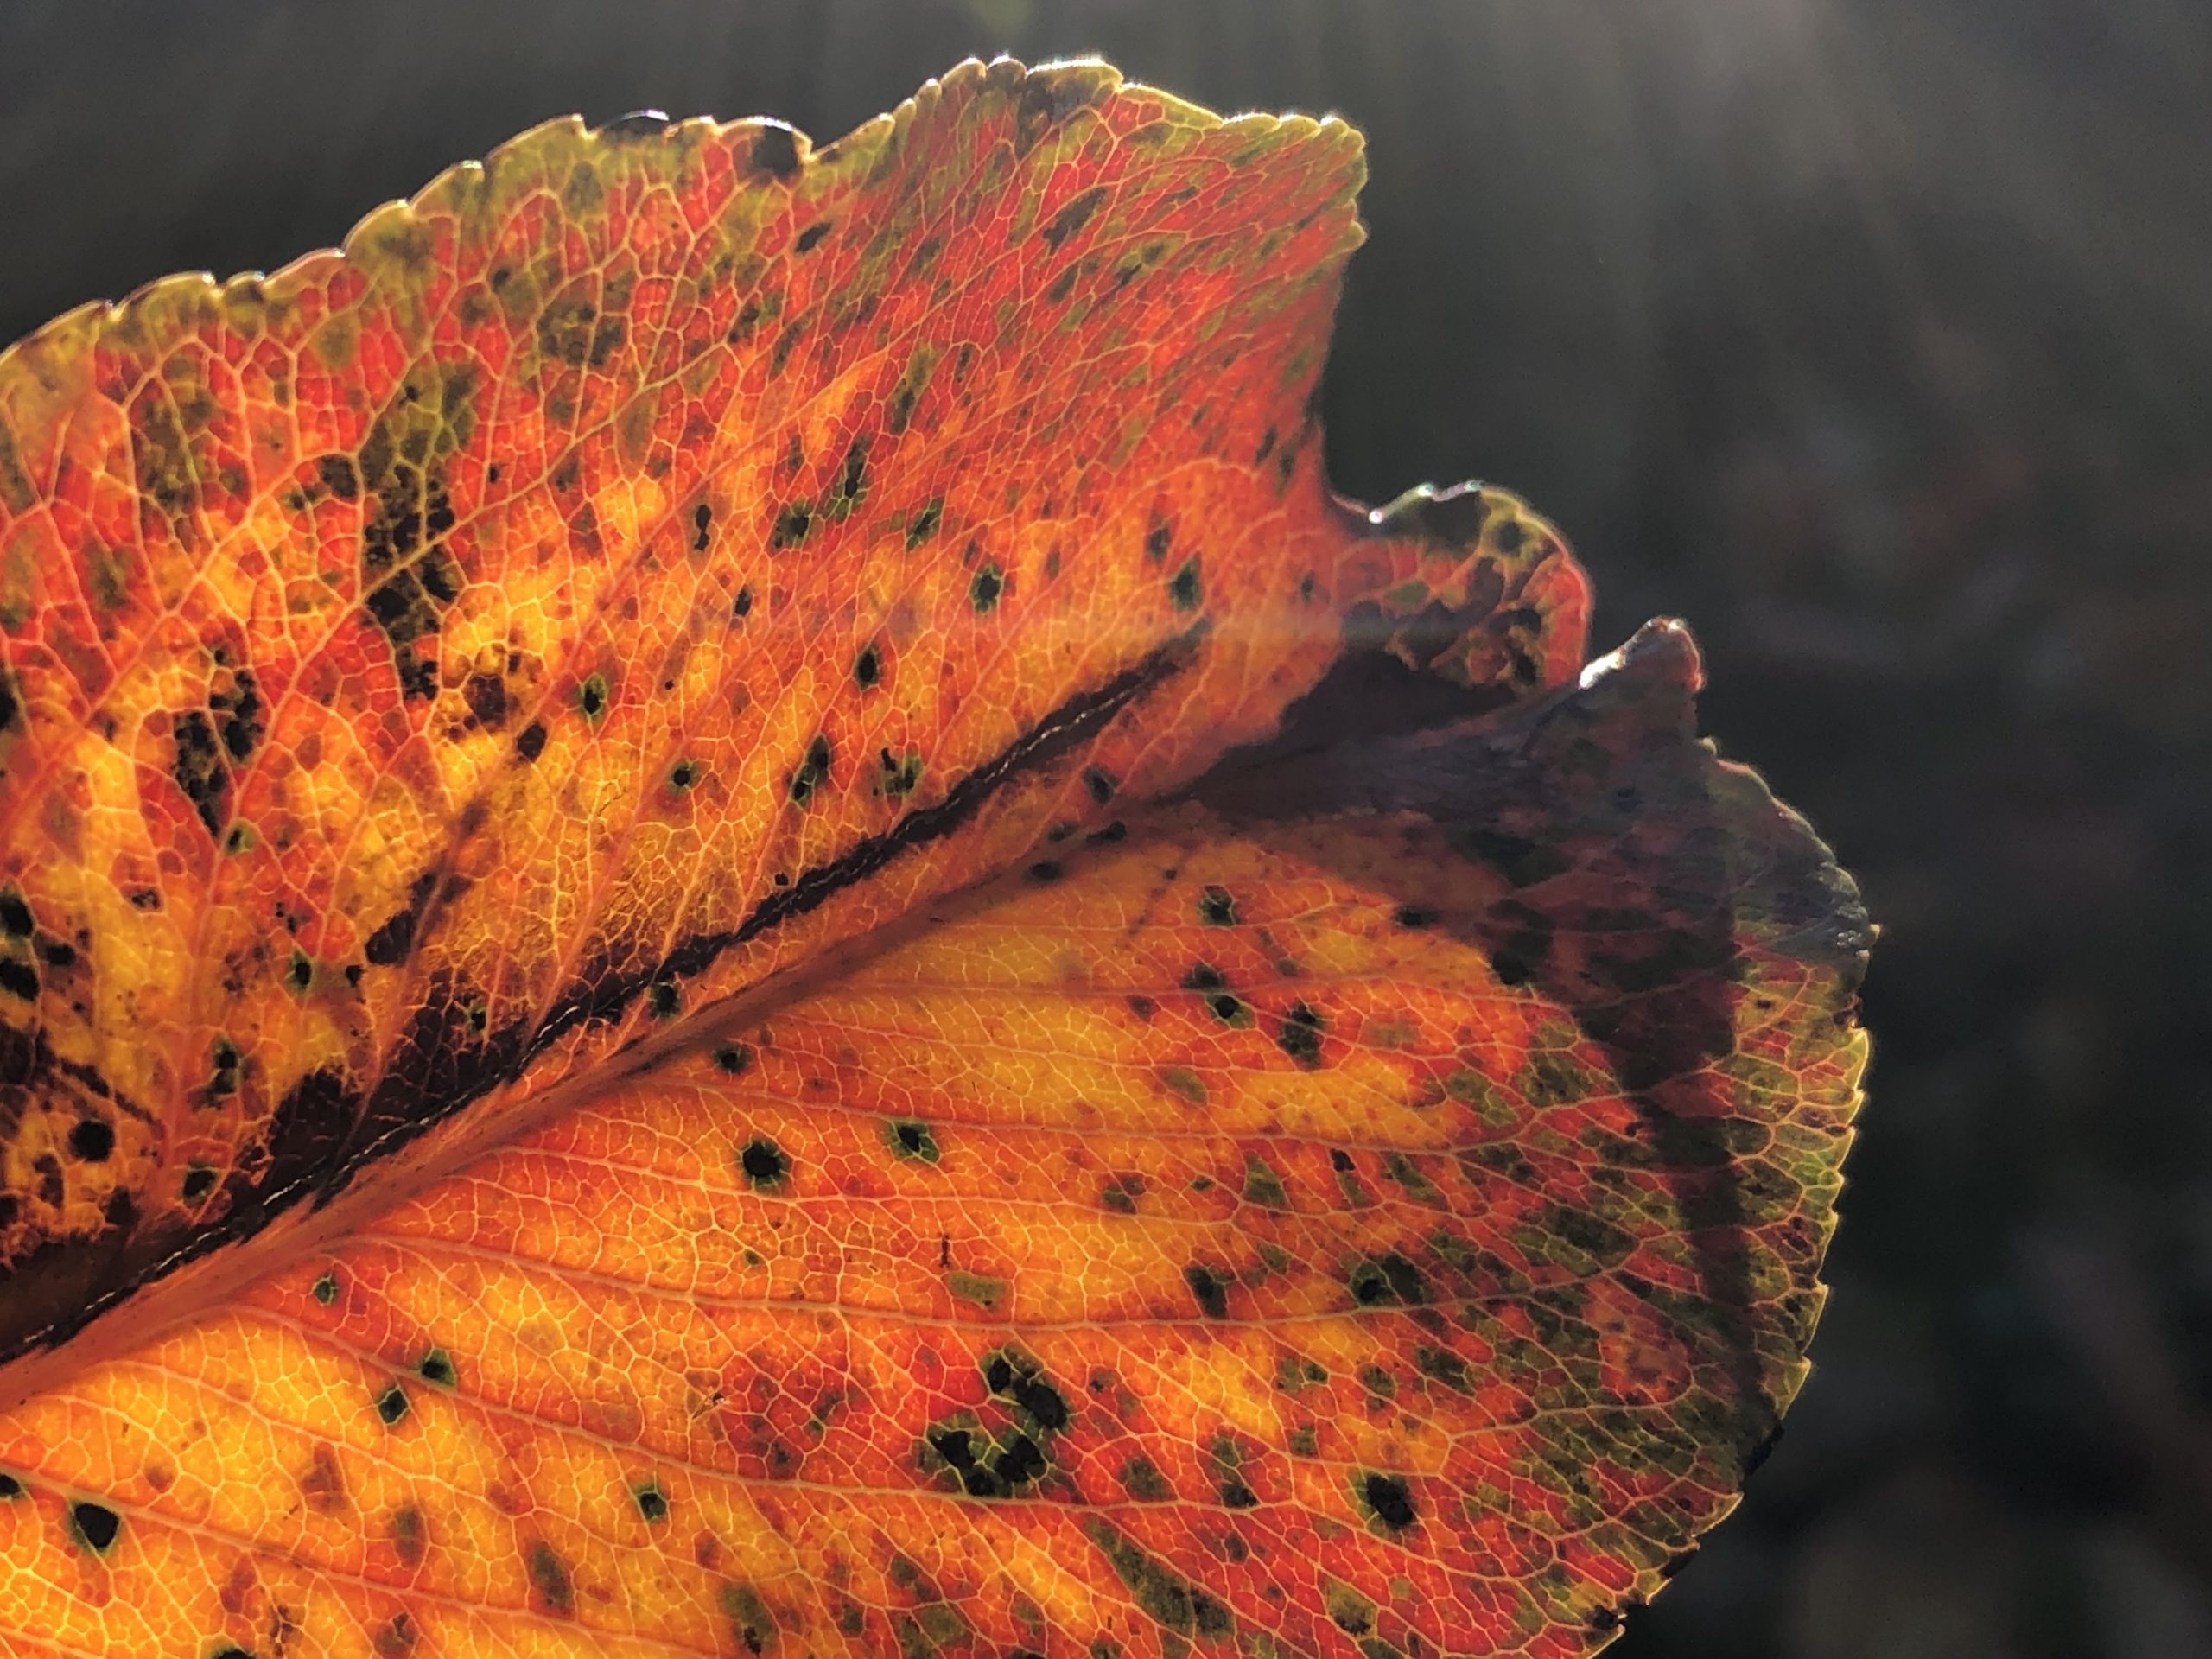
522 1131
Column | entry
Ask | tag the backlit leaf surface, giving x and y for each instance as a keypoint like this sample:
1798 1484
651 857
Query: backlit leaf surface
534 681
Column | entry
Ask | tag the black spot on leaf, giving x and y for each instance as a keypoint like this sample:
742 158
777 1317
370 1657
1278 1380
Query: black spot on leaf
94 1525
1217 907
763 1162
652 1503
199 1181
983 592
1387 1498
734 1058
391 1404
92 1140
911 1138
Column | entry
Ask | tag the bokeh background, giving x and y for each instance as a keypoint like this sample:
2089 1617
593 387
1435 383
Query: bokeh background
1875 337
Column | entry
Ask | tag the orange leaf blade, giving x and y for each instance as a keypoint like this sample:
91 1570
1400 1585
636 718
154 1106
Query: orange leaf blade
639 564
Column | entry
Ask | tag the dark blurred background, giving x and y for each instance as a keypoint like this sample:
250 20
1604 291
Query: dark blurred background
1871 335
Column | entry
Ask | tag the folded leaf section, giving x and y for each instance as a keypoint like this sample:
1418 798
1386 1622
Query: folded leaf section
1388 1225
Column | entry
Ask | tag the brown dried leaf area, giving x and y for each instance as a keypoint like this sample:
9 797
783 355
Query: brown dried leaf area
521 1135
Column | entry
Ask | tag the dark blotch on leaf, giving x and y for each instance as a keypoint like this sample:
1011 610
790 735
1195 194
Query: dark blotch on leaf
663 1000
775 149
923 524
749 1617
549 1577
742 606
867 667
792 525
391 1404
983 592
734 1058
15 915
1101 782
763 1162
1386 1495
199 769
1170 1598
19 980
650 1502
911 1138
531 742
591 697
326 1289
1020 1461
812 771
1210 1288
808 239
1390 1278
224 1057
199 1182
1414 915
1073 216
92 1140
1184 587
437 1366
1300 1037
1521 861
95 1525
1217 907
